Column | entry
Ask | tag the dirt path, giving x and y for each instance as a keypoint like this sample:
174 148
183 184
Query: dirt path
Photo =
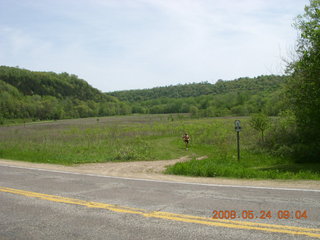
153 170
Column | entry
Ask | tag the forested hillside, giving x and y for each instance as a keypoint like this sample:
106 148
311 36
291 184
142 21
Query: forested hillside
261 83
242 96
46 95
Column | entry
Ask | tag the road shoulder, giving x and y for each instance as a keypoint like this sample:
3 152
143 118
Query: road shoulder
152 170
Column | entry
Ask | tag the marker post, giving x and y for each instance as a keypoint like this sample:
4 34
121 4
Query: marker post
237 128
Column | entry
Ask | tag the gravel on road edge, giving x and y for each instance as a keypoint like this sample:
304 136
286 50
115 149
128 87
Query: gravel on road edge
152 170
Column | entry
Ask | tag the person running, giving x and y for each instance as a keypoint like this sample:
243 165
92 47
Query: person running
186 139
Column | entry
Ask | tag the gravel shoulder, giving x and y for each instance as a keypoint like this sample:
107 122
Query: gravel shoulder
152 170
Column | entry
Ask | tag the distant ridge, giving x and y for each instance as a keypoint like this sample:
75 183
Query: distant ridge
36 95
260 83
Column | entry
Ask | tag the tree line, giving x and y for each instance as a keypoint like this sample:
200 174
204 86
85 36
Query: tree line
46 95
260 83
239 97
302 91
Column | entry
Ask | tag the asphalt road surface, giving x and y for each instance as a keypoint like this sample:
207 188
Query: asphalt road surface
46 204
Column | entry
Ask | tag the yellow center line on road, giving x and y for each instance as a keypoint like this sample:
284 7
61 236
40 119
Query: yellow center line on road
311 232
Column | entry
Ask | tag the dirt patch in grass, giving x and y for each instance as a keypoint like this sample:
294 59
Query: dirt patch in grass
153 170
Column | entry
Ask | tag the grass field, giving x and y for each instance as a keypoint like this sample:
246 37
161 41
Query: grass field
150 137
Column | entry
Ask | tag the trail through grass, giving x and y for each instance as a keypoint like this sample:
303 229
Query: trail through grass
150 137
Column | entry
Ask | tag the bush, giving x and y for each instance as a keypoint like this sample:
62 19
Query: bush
282 136
260 122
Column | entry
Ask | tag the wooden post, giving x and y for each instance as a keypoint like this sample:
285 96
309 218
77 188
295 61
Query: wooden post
238 145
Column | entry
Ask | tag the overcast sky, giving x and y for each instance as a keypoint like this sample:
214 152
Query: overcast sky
134 44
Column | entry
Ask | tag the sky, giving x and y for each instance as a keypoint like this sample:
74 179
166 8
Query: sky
136 44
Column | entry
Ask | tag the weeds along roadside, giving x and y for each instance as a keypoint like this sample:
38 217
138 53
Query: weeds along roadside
148 137
128 138
88 140
256 160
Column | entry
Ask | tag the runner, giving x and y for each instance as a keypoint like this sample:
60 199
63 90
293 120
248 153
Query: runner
186 139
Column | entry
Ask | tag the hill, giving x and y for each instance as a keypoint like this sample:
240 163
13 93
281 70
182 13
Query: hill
35 95
51 84
261 83
48 95
238 97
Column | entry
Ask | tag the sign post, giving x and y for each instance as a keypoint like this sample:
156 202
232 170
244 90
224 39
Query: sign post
237 127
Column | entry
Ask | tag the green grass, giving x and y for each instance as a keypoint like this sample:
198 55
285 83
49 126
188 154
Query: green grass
68 142
258 166
150 137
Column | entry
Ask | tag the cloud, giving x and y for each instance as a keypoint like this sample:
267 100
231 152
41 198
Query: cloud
144 43
16 44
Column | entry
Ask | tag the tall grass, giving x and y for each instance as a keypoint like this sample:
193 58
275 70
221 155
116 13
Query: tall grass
150 137
218 142
87 140
259 166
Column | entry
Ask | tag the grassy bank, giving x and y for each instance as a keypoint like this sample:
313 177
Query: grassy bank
149 137
258 166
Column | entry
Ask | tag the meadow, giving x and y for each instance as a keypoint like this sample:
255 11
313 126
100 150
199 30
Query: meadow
149 138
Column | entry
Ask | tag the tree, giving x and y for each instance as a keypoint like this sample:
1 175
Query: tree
260 122
303 89
194 111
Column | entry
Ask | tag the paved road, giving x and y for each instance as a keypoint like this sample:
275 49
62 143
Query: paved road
44 204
